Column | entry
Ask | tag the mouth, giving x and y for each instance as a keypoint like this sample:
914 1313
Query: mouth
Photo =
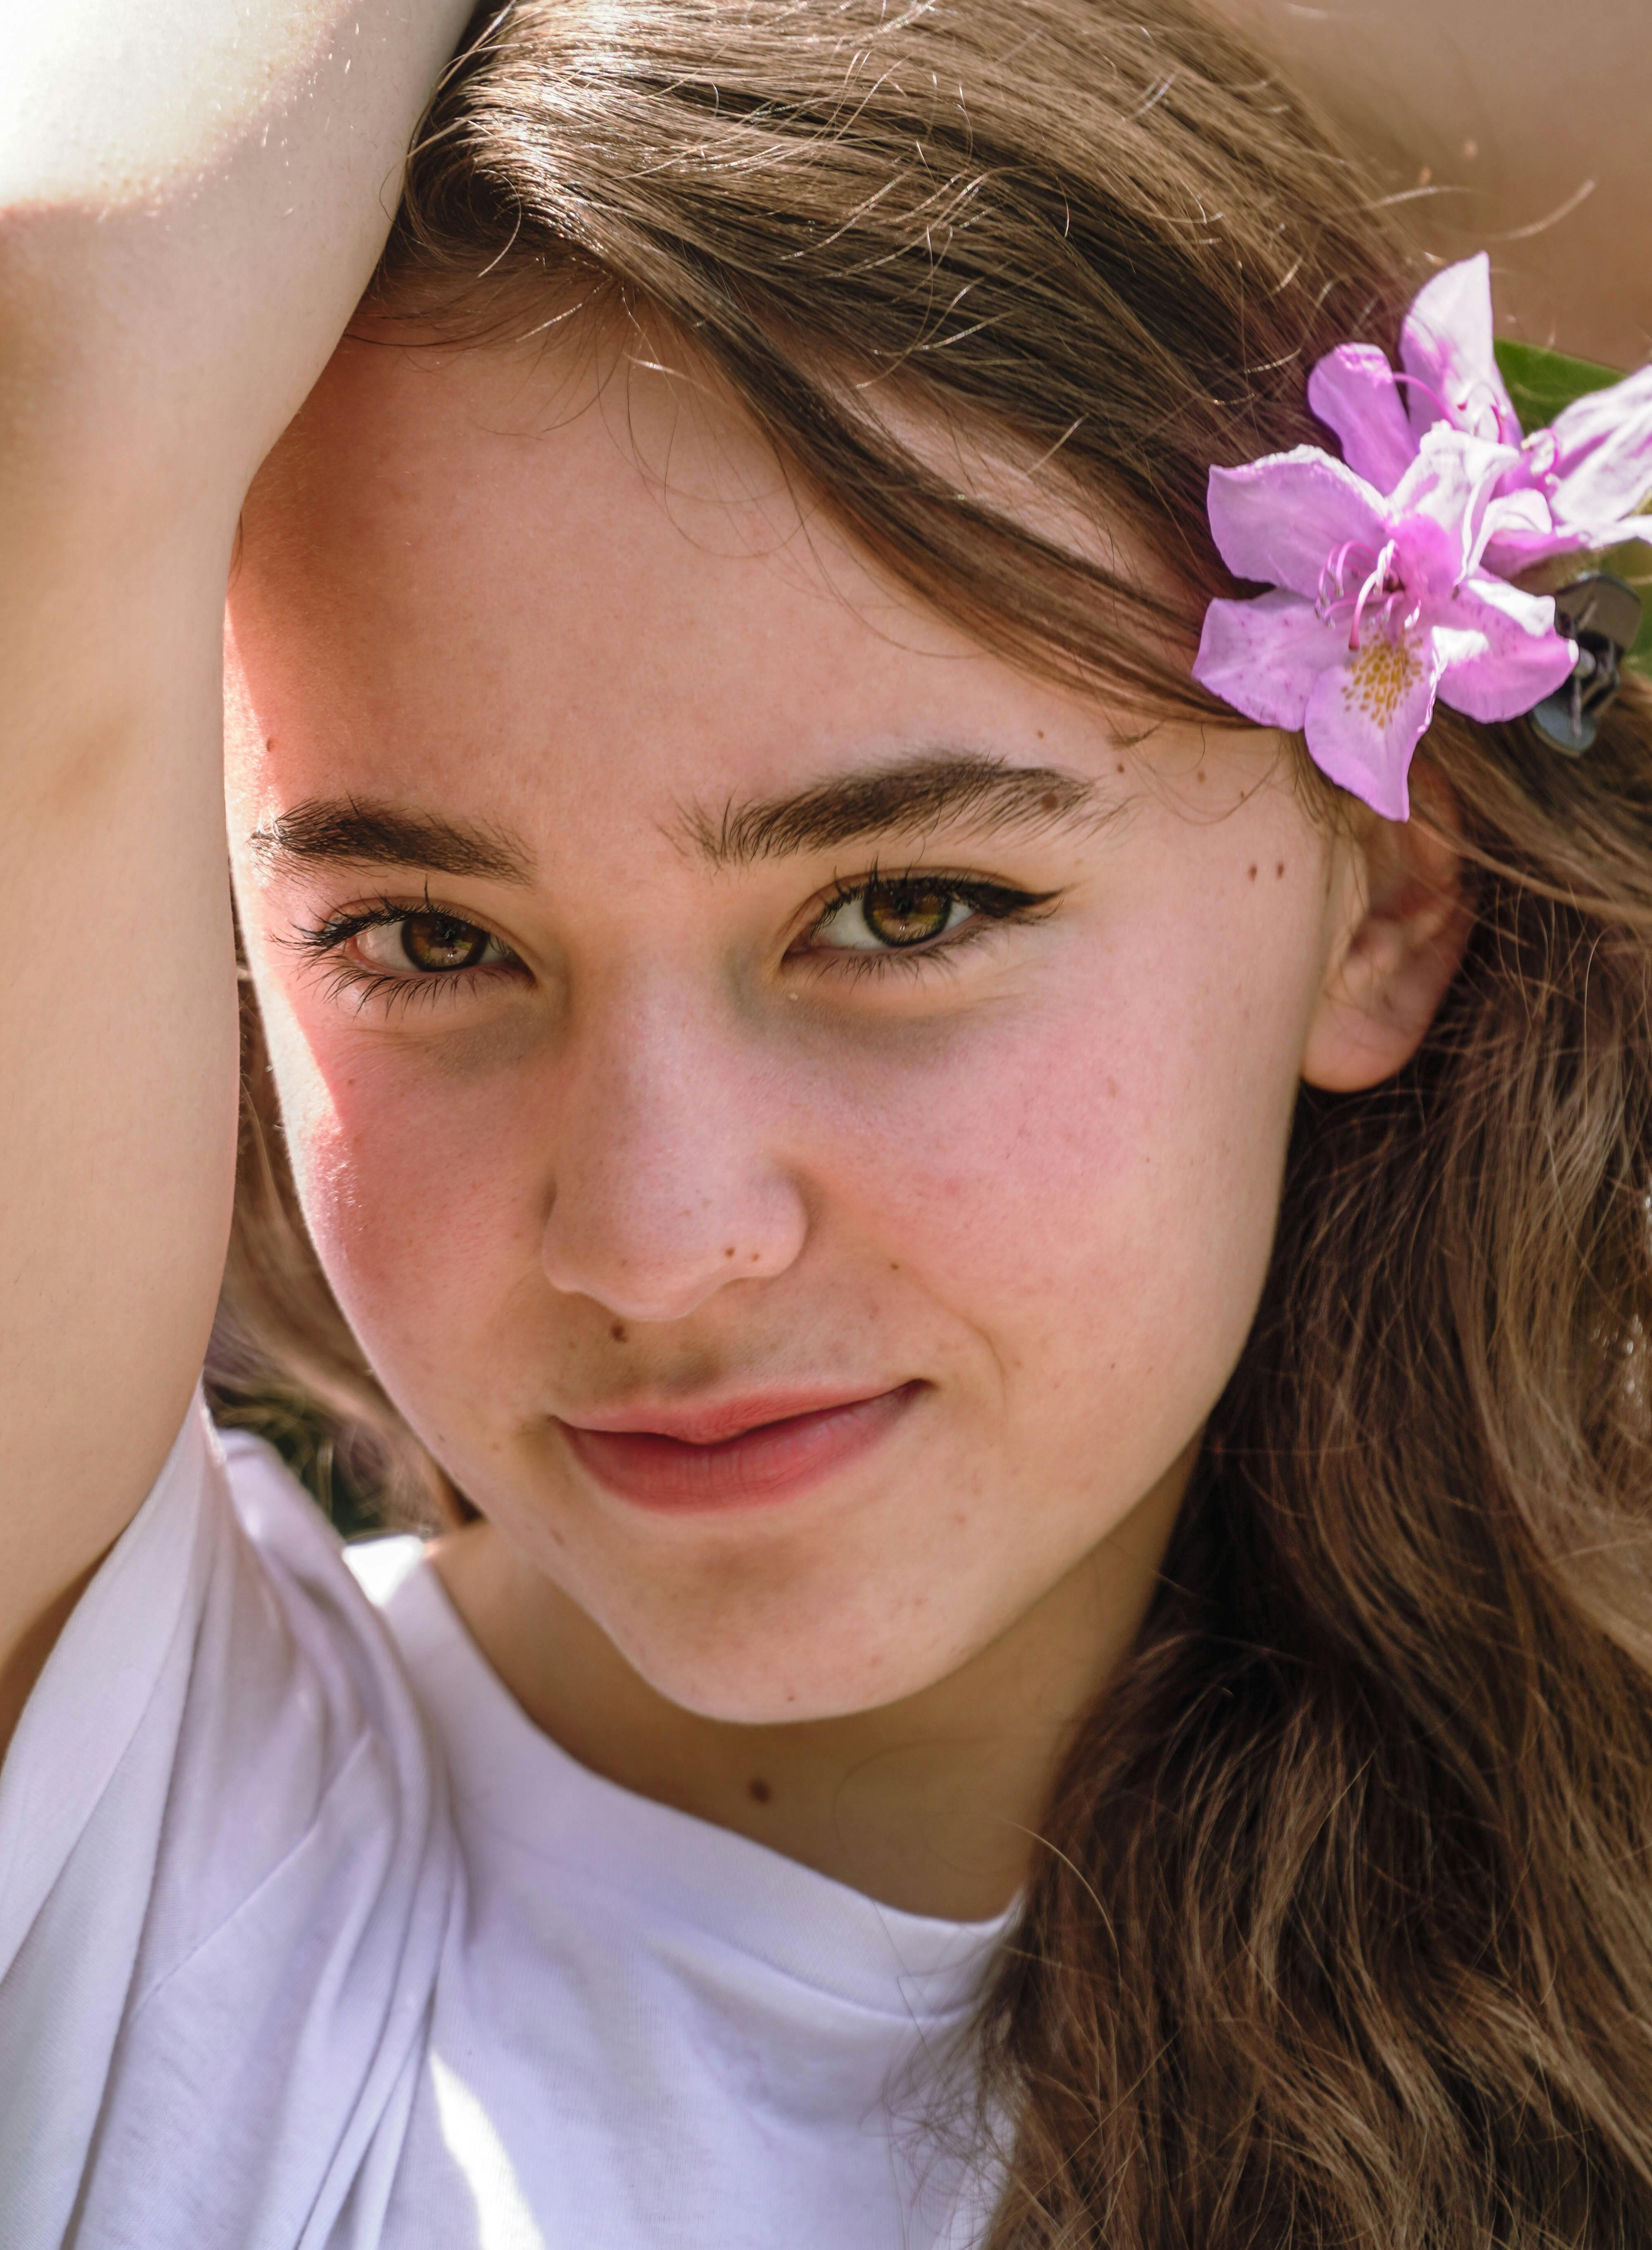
738 1454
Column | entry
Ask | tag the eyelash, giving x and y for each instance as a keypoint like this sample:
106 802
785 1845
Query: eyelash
325 944
989 903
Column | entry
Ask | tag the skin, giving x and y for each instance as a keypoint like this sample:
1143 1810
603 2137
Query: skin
169 169
192 196
681 1143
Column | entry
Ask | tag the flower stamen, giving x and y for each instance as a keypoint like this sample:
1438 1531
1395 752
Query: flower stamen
1381 584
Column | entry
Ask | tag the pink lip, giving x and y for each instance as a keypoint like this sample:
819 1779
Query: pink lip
735 1454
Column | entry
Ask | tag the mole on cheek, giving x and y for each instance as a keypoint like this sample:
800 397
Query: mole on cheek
758 1791
620 1333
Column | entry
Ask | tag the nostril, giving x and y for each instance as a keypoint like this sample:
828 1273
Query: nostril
649 1230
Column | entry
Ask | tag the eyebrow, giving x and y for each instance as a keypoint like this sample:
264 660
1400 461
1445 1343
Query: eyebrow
953 791
364 833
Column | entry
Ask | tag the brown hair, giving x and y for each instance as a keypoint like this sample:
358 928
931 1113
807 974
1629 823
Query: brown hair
1343 1932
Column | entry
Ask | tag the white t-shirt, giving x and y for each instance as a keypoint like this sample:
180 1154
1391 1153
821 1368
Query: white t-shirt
308 1938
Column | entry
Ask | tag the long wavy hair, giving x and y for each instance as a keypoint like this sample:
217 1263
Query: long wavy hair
1341 1930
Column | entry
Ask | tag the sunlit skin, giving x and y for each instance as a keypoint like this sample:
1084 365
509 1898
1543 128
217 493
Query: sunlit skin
684 1133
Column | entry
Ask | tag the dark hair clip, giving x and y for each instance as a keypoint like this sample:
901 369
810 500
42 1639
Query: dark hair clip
1603 616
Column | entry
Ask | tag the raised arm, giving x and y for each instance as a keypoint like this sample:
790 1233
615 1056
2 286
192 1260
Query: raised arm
192 195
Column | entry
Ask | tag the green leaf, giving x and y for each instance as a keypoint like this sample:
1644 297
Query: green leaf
1634 564
1543 382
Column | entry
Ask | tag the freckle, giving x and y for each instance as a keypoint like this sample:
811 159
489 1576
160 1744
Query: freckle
1040 733
1112 1087
893 1266
1199 775
756 1254
1121 769
1253 874
758 1791
1280 869
729 1252
1049 800
620 1333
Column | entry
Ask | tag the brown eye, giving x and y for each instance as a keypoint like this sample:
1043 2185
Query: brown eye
901 913
907 914
437 941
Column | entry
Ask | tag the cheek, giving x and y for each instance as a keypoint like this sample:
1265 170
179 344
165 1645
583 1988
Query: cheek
1094 1178
423 1212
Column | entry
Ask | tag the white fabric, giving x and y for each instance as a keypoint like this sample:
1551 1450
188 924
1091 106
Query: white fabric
310 1940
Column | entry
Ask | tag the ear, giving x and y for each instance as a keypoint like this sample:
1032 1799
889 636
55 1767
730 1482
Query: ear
1404 924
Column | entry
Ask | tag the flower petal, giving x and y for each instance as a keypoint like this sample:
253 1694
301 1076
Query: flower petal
1263 656
1515 549
1281 518
1603 455
1521 510
1502 652
1520 531
1451 485
1353 393
1445 347
1365 720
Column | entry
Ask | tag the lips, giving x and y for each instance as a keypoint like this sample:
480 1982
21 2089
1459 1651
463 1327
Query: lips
737 1454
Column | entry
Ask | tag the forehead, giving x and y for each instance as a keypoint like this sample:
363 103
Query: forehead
501 580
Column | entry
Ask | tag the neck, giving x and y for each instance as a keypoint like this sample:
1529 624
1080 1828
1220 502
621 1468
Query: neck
931 1804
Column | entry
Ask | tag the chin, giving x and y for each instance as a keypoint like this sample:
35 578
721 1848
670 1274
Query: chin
802 1662
772 1621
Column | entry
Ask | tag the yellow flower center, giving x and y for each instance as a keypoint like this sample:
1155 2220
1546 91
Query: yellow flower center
1382 674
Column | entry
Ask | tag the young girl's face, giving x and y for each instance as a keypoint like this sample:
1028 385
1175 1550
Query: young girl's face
705 993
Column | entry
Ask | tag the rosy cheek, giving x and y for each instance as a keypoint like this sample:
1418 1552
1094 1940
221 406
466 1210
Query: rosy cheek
1089 1173
401 1181
990 1170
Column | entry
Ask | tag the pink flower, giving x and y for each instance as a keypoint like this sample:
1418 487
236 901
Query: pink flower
1592 467
1379 604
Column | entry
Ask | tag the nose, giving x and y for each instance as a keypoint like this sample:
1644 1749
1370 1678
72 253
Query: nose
667 1183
